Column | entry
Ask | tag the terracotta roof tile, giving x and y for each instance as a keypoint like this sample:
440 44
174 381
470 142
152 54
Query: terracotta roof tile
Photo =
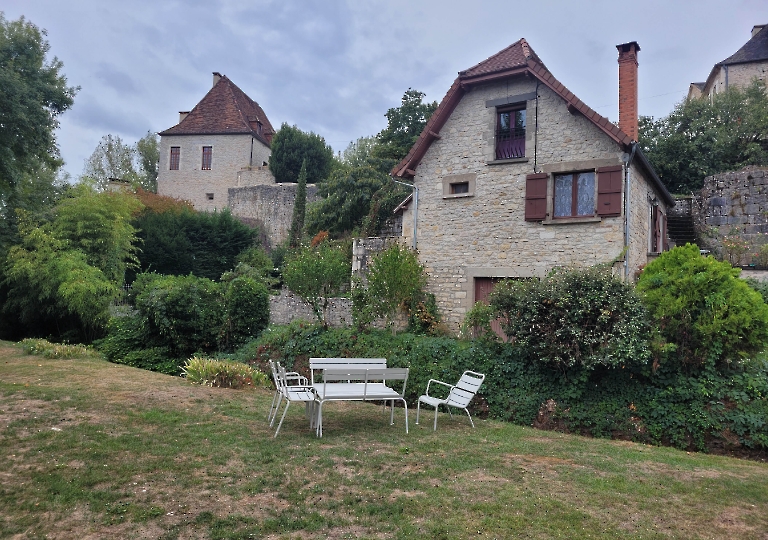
516 55
225 109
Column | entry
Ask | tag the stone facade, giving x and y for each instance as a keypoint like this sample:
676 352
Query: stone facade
270 204
732 204
740 75
207 190
483 233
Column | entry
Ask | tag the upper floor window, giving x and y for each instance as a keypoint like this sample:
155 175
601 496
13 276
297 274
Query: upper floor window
207 158
510 133
175 154
574 194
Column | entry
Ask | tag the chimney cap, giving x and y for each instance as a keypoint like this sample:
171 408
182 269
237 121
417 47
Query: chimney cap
628 47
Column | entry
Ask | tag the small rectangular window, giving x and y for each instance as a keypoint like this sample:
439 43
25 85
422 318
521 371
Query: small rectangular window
175 154
510 133
459 187
207 158
574 195
209 196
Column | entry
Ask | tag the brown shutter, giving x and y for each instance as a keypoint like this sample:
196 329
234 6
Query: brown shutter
659 234
536 196
609 182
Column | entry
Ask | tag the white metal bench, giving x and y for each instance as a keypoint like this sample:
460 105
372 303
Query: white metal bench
356 379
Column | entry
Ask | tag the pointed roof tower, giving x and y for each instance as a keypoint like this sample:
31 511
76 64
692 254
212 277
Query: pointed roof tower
225 110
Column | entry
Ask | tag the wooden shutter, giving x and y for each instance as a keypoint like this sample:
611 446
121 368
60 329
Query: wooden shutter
609 182
659 230
536 196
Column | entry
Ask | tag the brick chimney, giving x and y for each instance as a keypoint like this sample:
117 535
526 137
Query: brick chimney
628 88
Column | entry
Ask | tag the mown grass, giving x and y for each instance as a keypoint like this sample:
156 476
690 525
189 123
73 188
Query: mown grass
92 449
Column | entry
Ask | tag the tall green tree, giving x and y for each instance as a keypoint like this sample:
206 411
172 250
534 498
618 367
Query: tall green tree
291 147
148 155
704 136
404 125
359 179
111 160
33 93
299 208
98 224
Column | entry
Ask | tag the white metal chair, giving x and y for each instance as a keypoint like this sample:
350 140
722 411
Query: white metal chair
291 393
459 396
292 377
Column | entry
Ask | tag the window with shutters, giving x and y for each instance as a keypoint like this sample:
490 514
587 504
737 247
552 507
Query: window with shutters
574 195
591 194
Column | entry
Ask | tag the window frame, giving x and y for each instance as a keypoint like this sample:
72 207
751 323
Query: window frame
207 164
575 194
174 159
510 153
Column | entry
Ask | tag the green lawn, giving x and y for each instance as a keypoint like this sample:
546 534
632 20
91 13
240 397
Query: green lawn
90 449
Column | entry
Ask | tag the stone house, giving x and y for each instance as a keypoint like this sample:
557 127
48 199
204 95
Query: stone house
223 142
514 175
749 62
217 157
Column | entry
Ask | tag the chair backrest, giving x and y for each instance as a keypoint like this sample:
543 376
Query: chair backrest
274 373
465 389
320 364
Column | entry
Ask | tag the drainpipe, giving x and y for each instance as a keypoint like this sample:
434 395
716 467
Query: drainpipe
415 206
627 184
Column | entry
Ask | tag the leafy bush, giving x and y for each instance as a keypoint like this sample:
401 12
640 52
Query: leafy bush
222 373
702 308
247 311
575 317
185 311
630 402
46 349
179 316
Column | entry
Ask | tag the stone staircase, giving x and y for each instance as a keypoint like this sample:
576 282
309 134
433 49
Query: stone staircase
680 230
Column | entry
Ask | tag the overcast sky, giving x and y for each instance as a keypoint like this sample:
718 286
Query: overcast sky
335 66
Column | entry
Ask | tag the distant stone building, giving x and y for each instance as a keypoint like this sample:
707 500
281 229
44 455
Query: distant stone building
749 62
514 175
217 157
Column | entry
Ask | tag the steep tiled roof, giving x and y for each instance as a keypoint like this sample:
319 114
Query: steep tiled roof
225 109
754 50
516 59
514 56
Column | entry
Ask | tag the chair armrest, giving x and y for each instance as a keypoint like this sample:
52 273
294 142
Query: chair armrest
438 382
294 376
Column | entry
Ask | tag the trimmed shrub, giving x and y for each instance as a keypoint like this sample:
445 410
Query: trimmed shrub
702 309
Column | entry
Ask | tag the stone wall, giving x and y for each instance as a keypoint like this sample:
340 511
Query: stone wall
732 204
363 249
271 204
288 307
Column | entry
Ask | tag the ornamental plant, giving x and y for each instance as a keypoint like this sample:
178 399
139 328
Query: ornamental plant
702 309
574 318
